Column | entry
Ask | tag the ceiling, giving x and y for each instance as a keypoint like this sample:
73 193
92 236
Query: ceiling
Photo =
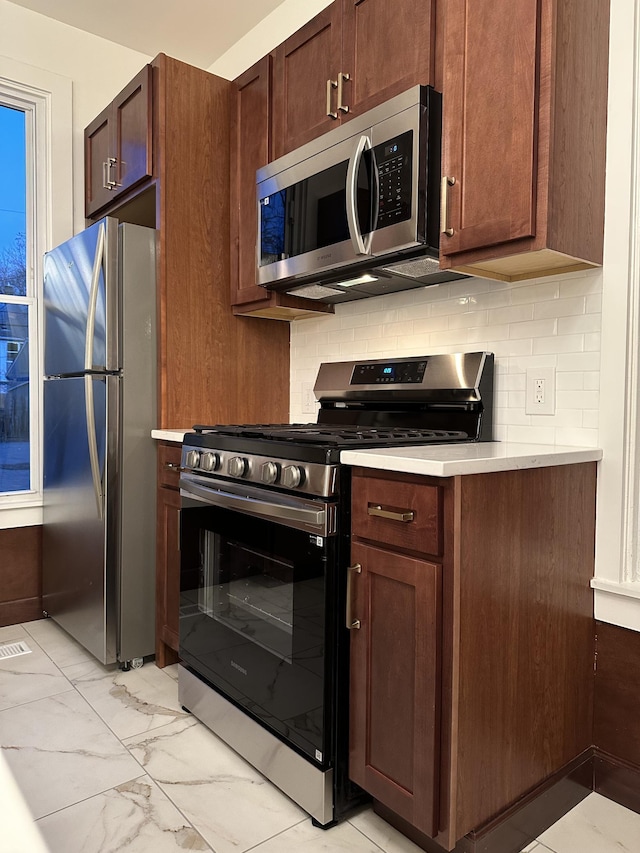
195 31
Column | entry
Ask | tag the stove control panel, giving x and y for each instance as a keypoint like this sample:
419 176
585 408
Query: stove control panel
310 478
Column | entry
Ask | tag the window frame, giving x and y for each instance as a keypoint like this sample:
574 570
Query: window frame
46 99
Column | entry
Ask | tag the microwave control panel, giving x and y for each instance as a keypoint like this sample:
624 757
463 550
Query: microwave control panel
394 163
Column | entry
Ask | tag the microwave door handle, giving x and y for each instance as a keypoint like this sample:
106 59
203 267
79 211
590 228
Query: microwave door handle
360 245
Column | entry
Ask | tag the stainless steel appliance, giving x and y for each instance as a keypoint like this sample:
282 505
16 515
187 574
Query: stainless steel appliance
99 459
264 553
355 213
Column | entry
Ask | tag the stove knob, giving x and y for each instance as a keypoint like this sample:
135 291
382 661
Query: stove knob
237 466
292 476
270 471
209 461
192 458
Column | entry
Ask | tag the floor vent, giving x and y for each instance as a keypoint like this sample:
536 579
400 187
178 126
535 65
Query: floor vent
12 650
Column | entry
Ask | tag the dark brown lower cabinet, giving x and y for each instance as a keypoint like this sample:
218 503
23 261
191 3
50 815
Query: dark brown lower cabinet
395 685
20 574
472 669
167 554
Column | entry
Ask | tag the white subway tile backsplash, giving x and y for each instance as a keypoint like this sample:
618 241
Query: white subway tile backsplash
558 308
579 323
551 322
566 343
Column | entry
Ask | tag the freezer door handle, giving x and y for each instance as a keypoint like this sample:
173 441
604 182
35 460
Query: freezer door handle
93 301
93 445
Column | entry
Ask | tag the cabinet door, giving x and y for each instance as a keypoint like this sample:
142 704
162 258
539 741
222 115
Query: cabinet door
386 49
490 122
167 554
304 65
250 149
132 126
97 166
394 692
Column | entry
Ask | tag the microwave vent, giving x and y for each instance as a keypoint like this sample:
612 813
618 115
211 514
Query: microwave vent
415 269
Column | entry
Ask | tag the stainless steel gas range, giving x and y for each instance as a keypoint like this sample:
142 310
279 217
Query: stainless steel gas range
265 536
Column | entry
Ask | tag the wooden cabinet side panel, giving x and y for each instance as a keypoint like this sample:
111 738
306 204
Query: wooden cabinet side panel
386 49
133 131
250 149
579 128
302 66
526 632
490 121
20 574
395 658
198 364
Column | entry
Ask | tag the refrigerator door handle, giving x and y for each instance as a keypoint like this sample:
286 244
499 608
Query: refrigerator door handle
93 305
93 444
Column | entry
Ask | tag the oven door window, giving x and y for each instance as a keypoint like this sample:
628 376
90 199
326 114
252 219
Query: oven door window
252 617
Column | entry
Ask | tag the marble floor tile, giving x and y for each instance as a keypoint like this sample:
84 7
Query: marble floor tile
382 833
29 677
60 646
130 703
135 817
172 670
343 838
226 800
11 632
596 825
61 752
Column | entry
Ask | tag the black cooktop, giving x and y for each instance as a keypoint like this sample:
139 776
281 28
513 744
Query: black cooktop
327 434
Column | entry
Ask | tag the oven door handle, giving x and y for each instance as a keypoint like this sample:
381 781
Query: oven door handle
300 517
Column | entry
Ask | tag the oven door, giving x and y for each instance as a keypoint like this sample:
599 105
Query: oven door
253 604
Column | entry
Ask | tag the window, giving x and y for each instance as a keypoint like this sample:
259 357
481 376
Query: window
36 213
17 304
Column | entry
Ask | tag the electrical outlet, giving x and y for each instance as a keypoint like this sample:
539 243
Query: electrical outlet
308 399
540 393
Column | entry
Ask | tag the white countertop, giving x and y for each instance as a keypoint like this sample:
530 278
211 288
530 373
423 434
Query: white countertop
169 434
449 460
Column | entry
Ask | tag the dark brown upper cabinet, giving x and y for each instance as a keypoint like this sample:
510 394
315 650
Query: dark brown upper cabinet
250 149
351 57
524 132
118 145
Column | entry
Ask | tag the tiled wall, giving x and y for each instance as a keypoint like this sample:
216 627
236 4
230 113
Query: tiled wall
550 322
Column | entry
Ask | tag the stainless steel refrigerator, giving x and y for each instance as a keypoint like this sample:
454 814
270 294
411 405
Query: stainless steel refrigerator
99 457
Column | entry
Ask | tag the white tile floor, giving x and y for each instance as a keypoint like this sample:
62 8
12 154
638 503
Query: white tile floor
108 761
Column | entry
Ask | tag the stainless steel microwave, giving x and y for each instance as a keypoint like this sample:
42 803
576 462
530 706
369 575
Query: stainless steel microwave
355 212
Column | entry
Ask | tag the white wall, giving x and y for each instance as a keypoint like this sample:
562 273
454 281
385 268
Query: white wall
98 69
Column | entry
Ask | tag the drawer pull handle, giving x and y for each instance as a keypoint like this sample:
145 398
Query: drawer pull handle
331 84
444 198
351 571
172 466
404 515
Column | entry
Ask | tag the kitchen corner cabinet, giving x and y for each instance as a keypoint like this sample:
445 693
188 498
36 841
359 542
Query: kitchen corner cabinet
167 553
351 57
250 149
118 151
524 134
472 643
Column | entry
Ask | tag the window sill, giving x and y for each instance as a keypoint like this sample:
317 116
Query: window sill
617 603
20 516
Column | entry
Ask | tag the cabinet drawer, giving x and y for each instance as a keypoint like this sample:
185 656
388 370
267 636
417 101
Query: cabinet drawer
403 515
169 465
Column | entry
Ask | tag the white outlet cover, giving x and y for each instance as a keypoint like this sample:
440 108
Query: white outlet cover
548 406
308 399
